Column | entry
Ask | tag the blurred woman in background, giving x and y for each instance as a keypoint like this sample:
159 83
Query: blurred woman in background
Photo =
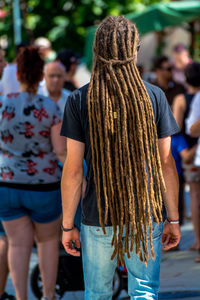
30 206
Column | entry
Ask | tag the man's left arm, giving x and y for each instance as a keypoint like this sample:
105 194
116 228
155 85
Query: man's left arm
71 187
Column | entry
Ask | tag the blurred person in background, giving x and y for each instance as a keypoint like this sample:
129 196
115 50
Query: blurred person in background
9 81
70 60
3 239
44 46
181 58
30 205
193 128
181 108
181 153
163 70
52 86
2 66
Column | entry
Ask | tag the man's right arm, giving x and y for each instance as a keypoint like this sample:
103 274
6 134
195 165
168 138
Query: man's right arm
171 232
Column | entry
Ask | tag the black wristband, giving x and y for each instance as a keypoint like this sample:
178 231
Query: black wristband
66 229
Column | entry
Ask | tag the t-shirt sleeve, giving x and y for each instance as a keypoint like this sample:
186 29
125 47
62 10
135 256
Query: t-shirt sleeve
166 125
72 126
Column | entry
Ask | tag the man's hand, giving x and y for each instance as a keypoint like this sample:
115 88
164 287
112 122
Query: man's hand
171 235
71 241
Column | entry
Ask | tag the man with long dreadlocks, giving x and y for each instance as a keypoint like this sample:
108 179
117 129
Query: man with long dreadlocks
122 127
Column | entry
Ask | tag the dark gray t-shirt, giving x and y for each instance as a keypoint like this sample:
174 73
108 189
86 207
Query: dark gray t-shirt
76 126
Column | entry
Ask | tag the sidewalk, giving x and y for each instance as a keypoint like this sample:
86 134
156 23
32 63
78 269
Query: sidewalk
180 275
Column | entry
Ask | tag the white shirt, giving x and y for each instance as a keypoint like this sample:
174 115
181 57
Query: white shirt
193 116
9 81
42 90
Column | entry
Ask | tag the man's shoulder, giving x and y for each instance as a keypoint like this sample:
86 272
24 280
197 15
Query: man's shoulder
153 90
82 91
79 96
65 92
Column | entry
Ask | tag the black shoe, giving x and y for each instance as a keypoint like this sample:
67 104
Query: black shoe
5 296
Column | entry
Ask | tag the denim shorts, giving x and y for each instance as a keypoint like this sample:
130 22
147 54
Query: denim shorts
40 206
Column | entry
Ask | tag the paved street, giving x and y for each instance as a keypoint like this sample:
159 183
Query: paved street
180 275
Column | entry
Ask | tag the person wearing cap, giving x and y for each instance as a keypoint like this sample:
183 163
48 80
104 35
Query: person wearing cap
46 51
70 60
181 58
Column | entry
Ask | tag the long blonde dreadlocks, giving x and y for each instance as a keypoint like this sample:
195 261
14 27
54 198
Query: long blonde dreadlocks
123 140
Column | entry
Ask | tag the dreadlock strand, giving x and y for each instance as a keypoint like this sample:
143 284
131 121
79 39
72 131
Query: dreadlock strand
128 187
141 214
102 138
156 183
96 160
145 249
120 183
131 179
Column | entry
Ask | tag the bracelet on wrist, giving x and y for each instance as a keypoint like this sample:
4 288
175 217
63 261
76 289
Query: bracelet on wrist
172 221
66 229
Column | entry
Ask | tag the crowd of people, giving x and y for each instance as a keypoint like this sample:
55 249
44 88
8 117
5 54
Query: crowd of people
34 89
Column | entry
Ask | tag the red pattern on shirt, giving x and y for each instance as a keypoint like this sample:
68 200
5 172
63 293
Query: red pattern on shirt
52 170
40 113
31 165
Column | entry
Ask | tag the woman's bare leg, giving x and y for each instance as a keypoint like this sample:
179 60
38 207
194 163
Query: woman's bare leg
47 237
20 242
3 263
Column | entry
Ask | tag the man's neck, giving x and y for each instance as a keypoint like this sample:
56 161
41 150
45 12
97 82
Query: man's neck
55 95
163 83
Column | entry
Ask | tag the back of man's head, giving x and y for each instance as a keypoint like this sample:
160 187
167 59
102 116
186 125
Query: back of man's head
116 39
192 74
67 57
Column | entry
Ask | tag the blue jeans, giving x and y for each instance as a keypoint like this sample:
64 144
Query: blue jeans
98 268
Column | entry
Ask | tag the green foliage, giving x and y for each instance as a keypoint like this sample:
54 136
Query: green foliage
64 22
